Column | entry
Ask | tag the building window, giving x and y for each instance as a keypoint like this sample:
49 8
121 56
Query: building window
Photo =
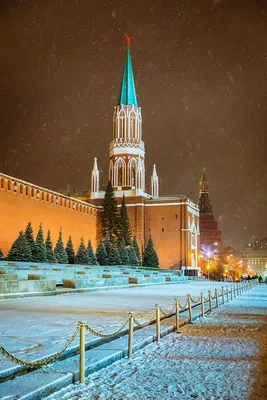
176 229
27 191
38 194
2 183
149 217
176 216
32 192
15 187
21 189
8 185
162 229
162 217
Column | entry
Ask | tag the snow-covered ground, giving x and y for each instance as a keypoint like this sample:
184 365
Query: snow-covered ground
38 326
221 356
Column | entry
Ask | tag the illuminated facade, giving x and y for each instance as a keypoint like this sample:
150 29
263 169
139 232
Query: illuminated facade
173 222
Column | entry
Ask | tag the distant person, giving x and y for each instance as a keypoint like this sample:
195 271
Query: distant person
260 279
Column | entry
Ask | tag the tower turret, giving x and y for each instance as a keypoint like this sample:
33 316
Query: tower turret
127 151
154 183
204 200
95 181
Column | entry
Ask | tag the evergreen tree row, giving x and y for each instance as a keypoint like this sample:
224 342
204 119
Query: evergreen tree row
26 248
118 247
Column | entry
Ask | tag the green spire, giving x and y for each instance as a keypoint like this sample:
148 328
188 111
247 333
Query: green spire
128 94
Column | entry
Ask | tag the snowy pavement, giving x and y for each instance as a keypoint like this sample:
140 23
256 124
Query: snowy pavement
37 327
222 356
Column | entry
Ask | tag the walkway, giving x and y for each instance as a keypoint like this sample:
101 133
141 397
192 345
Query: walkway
222 356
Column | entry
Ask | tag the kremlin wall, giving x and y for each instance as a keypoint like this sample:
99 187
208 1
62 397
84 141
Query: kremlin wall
173 222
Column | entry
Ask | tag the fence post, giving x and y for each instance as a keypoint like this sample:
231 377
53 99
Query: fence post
210 301
222 295
82 351
202 304
234 291
216 298
227 294
189 308
130 335
177 310
157 323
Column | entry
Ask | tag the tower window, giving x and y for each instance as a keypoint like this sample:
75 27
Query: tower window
176 216
162 229
162 217
149 217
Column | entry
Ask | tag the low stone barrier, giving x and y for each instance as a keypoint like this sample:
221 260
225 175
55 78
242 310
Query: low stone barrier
7 287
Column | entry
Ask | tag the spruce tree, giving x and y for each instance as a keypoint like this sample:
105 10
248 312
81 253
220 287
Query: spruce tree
20 249
150 257
114 257
108 214
108 246
59 251
30 239
82 255
2 257
133 261
124 254
51 258
124 230
137 250
70 251
40 255
101 254
91 254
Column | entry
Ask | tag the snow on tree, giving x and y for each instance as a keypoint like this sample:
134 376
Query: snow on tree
70 251
20 249
40 255
150 257
30 239
2 257
51 258
101 254
60 251
123 254
133 261
108 215
124 230
137 250
114 257
91 254
82 255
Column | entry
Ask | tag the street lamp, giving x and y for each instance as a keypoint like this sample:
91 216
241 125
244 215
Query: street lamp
208 254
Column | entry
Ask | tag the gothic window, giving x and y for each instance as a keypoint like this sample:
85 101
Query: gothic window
120 175
8 185
47 197
133 176
32 192
43 195
176 216
162 229
21 189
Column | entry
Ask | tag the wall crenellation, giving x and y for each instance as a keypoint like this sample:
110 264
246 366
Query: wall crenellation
34 192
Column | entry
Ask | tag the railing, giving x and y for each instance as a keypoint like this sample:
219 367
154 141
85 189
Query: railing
176 309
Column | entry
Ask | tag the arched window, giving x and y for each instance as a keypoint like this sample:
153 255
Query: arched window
119 172
8 185
21 189
2 183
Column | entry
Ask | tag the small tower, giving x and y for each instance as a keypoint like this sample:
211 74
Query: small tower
127 151
95 181
204 200
154 183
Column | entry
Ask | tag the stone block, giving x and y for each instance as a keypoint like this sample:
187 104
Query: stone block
168 279
33 277
106 276
13 264
8 277
69 283
146 276
132 281
56 269
34 267
81 272
2 271
126 272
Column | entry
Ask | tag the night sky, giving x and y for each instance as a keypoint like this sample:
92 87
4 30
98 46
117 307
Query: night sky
201 78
